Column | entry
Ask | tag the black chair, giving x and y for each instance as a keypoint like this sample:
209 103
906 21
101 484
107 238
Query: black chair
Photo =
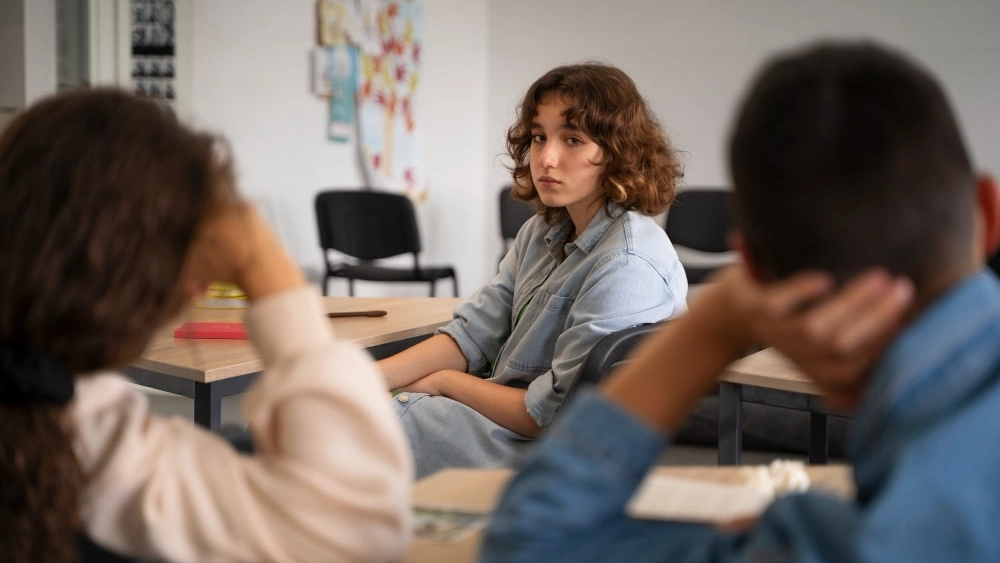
611 351
90 552
369 226
513 214
699 219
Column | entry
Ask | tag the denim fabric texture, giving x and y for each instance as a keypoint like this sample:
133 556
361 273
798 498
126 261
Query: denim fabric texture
532 326
924 454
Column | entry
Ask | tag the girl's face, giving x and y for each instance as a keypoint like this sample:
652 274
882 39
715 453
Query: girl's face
563 161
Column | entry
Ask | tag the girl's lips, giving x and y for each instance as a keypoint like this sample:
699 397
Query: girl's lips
548 181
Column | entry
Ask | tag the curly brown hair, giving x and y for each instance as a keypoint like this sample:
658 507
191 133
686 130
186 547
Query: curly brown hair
101 194
641 169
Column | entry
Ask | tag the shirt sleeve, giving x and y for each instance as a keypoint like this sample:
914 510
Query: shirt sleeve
625 291
331 480
567 504
483 323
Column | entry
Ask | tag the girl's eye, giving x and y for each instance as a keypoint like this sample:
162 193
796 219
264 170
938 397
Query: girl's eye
538 138
574 142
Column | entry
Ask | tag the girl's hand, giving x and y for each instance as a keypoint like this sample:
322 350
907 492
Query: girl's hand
235 245
430 384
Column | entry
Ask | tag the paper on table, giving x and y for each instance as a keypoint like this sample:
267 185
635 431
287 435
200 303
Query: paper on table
446 525
669 498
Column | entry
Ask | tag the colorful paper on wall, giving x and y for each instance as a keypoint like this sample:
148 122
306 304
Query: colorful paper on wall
342 64
389 139
336 21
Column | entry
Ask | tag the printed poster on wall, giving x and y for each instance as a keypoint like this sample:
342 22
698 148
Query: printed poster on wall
389 59
153 49
342 61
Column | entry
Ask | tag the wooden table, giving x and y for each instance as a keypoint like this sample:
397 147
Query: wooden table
478 490
207 370
770 370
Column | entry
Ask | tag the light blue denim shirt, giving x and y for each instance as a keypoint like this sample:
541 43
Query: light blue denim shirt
925 456
551 302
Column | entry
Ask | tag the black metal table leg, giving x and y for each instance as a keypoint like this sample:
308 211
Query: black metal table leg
730 423
207 405
819 438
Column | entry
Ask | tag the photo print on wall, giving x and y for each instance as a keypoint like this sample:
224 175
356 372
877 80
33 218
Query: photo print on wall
153 49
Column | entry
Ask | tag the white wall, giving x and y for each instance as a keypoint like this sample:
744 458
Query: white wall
12 61
39 49
692 58
250 81
27 51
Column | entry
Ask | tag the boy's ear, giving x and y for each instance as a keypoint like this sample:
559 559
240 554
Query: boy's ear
988 198
739 244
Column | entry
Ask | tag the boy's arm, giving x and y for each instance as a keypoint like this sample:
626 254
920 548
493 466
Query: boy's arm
833 339
567 500
680 364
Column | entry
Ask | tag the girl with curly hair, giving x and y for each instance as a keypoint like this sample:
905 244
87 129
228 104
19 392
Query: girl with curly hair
590 155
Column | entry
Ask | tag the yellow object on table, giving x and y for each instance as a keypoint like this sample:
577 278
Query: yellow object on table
222 296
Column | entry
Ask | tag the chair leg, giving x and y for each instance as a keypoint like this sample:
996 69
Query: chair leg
454 284
326 282
350 287
433 289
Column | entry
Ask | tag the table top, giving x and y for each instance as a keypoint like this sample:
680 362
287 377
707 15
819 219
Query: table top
768 368
479 490
206 360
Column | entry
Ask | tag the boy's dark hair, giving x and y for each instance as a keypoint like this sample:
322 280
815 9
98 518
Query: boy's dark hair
641 169
847 156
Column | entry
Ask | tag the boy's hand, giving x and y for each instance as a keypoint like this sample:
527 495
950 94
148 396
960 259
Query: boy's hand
833 336
836 340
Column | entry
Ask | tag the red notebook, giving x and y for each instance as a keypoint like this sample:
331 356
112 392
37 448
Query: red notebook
211 330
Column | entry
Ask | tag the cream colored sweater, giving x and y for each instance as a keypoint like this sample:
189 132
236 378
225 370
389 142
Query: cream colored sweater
330 482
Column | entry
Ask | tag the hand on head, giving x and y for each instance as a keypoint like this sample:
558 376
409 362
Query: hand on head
833 334
235 245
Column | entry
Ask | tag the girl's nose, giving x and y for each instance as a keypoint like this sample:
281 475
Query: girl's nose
549 156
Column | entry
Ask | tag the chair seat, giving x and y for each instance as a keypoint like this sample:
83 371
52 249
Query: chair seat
385 274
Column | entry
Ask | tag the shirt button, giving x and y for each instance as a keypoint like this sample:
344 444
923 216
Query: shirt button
404 397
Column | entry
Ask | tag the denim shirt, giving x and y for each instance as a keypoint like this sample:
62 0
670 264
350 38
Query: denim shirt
925 462
552 301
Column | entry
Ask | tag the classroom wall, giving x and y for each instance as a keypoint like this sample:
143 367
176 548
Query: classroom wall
27 52
250 81
692 58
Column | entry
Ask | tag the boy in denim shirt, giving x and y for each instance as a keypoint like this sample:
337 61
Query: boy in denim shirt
849 170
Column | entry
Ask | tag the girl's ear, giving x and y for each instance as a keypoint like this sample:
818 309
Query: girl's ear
739 244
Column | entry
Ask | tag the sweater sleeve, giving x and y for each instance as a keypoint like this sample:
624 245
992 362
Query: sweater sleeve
330 481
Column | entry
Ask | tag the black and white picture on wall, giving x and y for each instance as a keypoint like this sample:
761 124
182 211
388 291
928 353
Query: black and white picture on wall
153 48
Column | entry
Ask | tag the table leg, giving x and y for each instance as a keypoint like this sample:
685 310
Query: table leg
819 438
207 405
730 423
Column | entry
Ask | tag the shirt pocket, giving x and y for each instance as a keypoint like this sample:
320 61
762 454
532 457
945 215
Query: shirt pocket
536 334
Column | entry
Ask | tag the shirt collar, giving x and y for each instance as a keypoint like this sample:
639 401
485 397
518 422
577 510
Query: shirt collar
555 238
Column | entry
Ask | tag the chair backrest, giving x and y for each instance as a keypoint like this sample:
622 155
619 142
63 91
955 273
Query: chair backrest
513 214
367 225
700 219
613 350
